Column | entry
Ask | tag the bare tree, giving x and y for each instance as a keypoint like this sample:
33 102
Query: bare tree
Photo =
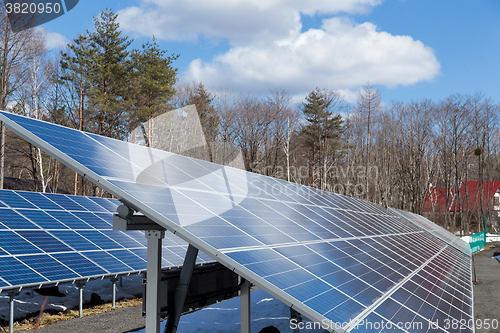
484 125
454 146
368 108
16 49
414 123
32 98
286 126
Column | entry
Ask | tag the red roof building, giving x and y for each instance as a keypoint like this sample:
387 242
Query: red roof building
472 195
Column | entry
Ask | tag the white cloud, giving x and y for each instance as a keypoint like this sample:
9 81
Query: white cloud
340 55
269 49
239 21
54 40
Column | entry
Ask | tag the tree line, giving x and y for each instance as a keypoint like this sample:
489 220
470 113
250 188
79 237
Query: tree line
388 154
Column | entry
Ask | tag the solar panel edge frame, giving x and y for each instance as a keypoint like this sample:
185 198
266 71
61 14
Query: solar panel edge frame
158 218
38 285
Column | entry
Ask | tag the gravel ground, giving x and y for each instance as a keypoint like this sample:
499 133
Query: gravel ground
116 321
486 305
487 291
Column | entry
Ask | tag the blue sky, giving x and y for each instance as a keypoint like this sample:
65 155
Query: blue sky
408 49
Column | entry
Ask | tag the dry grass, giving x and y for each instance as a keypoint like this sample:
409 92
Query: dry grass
49 319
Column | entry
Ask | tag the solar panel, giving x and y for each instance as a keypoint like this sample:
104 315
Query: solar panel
48 238
332 258
436 230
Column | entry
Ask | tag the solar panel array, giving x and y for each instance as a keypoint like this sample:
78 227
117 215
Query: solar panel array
47 238
332 258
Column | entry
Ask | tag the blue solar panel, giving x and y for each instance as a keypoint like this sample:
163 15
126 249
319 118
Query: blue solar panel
15 244
331 257
123 238
80 264
108 262
48 267
107 204
15 221
133 260
41 240
44 241
38 200
89 204
76 241
44 220
65 202
92 219
18 273
70 220
12 199
100 239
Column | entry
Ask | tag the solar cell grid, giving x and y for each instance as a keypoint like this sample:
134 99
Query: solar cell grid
77 242
48 267
70 220
92 219
18 273
15 221
108 204
108 262
44 220
43 240
269 238
15 244
91 205
38 200
65 202
12 199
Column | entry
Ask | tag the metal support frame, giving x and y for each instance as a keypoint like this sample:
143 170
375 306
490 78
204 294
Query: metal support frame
245 307
297 317
126 220
80 286
113 283
153 279
11 294
182 289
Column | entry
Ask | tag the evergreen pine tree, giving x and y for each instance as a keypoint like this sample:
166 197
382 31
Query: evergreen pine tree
321 130
209 118
109 75
154 79
74 69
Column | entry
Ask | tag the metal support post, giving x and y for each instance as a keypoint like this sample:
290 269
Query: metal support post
113 282
245 307
153 278
126 220
12 294
80 286
295 317
182 289
120 284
